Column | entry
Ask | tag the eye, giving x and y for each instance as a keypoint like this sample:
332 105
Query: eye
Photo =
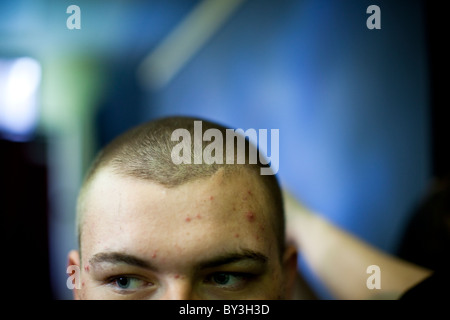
222 278
228 280
128 283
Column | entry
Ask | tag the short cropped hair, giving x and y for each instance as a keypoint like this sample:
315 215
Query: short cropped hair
144 153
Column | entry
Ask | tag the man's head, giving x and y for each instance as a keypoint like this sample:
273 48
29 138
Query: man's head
152 229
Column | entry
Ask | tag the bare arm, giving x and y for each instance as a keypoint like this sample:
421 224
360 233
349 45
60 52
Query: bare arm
340 259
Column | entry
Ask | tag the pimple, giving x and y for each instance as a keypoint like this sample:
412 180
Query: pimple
86 268
236 235
188 219
199 216
211 198
250 216
82 284
154 254
249 193
176 276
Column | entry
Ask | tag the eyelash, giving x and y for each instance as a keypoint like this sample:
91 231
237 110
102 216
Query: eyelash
113 281
244 277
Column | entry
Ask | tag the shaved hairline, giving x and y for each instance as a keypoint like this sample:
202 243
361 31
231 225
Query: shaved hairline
143 153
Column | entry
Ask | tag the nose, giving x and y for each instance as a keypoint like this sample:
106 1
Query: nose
178 289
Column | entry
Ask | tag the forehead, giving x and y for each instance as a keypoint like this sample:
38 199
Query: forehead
226 210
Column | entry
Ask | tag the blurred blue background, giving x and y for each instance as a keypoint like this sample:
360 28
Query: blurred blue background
352 104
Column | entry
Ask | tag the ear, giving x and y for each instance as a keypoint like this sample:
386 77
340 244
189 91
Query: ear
74 260
290 270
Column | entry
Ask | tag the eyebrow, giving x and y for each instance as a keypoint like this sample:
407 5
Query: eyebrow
119 257
244 255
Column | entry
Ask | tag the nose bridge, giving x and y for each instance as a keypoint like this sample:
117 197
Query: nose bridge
179 288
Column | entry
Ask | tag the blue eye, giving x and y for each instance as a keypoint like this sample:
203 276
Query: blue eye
123 282
127 283
221 278
228 280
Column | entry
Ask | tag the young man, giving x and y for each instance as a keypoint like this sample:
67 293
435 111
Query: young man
149 228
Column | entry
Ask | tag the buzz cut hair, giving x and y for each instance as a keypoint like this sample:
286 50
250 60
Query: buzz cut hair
144 152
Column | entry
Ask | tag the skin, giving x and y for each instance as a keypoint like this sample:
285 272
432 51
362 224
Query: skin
207 239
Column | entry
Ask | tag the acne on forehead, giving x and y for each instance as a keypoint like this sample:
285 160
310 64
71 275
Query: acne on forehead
189 212
250 216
